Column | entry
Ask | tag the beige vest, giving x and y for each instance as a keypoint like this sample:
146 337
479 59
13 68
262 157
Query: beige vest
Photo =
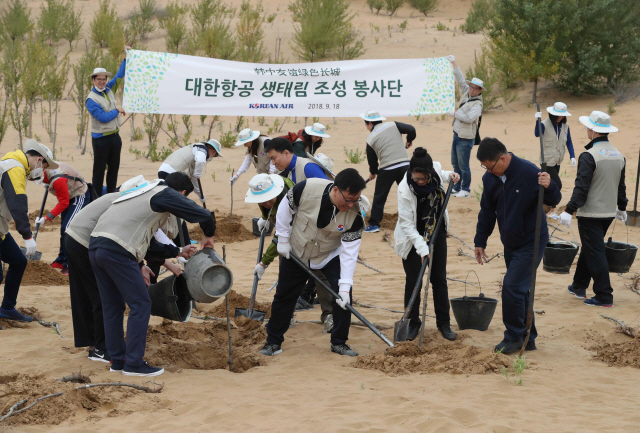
385 139
76 188
307 240
85 221
5 213
298 169
131 223
602 199
554 147
108 104
183 160
464 129
261 161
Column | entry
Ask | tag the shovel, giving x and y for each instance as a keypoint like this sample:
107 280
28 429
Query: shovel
401 327
250 312
37 255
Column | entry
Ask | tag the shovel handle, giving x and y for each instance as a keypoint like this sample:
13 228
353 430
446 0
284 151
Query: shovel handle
254 289
44 201
204 205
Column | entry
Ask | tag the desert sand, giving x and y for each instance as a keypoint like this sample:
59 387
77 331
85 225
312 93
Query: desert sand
584 375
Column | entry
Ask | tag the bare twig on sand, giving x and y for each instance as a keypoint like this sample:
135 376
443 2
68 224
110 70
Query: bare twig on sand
385 237
626 330
50 325
362 262
461 240
355 323
539 311
462 253
634 286
12 411
219 319
461 281
153 388
75 378
493 257
499 286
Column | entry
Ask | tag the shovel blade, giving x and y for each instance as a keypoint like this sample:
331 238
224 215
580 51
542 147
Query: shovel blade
401 330
35 257
257 315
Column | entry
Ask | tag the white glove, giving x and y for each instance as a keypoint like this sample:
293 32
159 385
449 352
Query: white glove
40 221
263 223
565 218
182 261
452 113
621 215
538 115
344 296
573 162
202 199
233 179
284 247
259 270
451 58
31 246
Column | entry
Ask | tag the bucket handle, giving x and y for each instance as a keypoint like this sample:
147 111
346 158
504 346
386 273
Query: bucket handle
613 229
465 283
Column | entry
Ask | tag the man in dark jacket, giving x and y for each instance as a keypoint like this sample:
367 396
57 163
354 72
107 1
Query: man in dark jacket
510 196
599 195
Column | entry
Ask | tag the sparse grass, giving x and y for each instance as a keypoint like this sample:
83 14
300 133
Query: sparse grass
136 152
478 194
354 156
519 365
610 107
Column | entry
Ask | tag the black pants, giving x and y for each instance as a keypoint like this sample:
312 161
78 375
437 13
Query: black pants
10 254
290 284
86 307
106 153
384 182
76 204
311 289
554 173
438 286
592 263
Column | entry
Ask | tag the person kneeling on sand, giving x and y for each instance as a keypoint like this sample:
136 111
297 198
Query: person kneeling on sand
510 196
118 244
326 233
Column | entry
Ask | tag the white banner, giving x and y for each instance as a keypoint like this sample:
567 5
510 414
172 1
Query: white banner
181 84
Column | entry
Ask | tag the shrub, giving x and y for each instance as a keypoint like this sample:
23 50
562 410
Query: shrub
392 6
478 18
354 156
103 23
175 24
375 4
15 21
51 16
71 25
228 139
141 24
483 69
424 6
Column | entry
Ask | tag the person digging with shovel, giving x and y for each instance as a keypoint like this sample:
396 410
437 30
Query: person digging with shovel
510 197
15 168
420 200
326 234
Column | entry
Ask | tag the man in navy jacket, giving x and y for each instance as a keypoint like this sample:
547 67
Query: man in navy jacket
510 196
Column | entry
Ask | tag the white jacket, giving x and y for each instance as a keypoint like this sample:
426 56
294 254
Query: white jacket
406 235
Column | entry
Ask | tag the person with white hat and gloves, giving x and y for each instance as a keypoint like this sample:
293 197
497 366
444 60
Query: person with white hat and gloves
191 160
15 168
105 124
599 196
387 158
557 140
466 123
308 139
255 143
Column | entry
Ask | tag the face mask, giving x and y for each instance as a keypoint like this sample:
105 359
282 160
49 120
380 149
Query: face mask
36 174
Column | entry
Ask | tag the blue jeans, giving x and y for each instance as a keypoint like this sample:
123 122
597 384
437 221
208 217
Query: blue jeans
460 155
515 291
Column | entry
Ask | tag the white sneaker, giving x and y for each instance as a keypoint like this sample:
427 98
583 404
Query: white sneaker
461 194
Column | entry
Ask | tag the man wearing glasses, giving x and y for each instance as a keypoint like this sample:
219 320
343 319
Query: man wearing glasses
326 233
105 140
510 196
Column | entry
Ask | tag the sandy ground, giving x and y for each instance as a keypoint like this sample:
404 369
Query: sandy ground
307 388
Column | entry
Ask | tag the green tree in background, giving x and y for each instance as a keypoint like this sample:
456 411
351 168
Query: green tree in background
52 14
250 34
175 24
71 25
15 20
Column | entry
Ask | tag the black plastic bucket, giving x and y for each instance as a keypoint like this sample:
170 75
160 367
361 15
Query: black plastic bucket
170 299
620 256
256 230
558 257
474 312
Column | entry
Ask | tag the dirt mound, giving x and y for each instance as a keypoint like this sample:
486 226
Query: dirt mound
41 274
236 300
53 411
389 221
436 356
226 231
626 353
204 346
48 227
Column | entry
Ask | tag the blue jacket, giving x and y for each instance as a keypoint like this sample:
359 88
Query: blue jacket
513 203
96 110
311 170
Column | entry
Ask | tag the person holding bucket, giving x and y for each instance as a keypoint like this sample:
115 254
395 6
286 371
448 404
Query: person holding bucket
599 196
420 200
119 242
256 155
510 197
557 140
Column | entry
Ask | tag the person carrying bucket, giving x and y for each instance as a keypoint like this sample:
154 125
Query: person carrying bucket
256 155
420 199
15 168
307 140
599 196
510 197
119 242
557 140
326 234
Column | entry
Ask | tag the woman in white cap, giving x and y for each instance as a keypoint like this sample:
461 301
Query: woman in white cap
254 142
557 140
307 140
191 160
599 196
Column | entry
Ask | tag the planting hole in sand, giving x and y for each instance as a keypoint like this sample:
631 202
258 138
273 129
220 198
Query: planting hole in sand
226 231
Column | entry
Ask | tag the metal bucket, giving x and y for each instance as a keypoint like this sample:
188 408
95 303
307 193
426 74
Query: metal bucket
170 299
620 256
208 278
256 230
558 257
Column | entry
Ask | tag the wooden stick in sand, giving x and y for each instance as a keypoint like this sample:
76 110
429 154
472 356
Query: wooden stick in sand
226 300
231 211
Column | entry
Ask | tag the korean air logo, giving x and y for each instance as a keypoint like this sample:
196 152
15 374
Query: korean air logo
341 228
272 106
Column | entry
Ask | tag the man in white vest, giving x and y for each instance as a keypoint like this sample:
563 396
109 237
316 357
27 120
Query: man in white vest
326 233
105 124
385 145
119 242
466 121
599 196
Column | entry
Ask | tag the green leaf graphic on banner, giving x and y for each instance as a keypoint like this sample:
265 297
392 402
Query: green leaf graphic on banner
439 86
144 74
